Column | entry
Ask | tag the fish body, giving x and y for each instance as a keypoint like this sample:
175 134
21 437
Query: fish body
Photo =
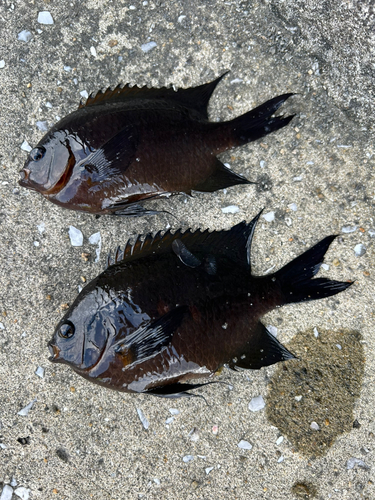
176 307
130 144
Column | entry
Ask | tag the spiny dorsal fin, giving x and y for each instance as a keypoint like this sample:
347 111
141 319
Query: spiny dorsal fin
196 97
233 243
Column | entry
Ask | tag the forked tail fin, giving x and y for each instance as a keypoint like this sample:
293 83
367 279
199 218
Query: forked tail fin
295 280
260 121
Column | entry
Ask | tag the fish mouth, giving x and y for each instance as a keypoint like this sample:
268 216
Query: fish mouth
24 178
55 351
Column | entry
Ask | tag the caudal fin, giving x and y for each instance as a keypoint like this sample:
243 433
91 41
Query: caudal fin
259 121
295 279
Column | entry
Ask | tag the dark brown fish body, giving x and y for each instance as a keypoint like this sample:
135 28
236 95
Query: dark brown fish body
128 145
180 306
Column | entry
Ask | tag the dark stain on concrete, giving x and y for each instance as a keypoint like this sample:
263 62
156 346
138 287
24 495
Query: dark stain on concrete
305 491
328 376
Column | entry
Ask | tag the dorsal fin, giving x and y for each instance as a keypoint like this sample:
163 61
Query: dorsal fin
196 97
233 243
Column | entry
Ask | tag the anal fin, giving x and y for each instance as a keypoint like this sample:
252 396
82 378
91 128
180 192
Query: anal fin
263 349
221 178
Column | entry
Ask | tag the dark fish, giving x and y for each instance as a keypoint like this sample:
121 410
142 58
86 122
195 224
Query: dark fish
130 144
176 307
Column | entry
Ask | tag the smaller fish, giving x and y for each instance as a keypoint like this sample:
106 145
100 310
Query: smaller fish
128 145
178 306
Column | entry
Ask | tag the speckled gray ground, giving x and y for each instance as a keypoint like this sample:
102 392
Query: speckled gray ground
81 441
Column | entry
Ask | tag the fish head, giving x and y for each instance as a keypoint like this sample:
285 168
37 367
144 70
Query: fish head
47 163
83 334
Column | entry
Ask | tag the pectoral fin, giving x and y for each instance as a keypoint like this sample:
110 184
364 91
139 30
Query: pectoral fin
263 349
113 157
149 340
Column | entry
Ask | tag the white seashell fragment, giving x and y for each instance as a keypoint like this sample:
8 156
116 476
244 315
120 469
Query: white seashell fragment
45 17
257 404
244 445
76 236
269 217
231 209
25 411
143 419
146 47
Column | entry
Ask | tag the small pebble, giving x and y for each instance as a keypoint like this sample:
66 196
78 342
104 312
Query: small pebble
45 17
208 469
36 243
93 51
314 426
180 19
293 207
352 462
187 458
338 346
25 146
146 47
76 236
262 163
84 94
371 232
174 411
325 266
156 481
24 36
359 250
257 404
279 440
23 493
298 398
13 483
2 64
231 209
269 217
348 229
298 178
2 446
281 459
215 430
68 69
40 372
244 445
7 493
143 419
236 80
2 327
169 420
316 333
24 412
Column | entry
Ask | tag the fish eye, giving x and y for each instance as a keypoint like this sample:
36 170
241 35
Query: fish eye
37 154
66 331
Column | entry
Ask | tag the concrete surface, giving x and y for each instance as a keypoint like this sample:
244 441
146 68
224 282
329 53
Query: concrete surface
81 441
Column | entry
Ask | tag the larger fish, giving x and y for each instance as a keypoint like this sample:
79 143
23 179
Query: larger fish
177 307
130 144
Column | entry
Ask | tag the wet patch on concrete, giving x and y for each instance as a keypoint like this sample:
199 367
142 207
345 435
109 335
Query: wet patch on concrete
311 399
304 491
